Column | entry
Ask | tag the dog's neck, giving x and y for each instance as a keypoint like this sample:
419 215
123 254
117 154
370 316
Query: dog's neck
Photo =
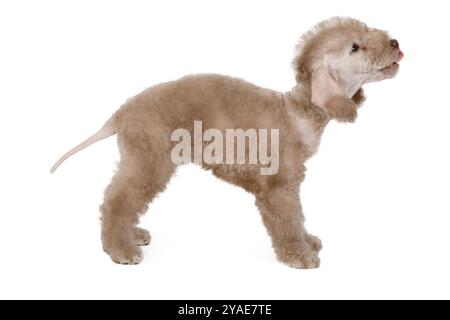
307 120
299 99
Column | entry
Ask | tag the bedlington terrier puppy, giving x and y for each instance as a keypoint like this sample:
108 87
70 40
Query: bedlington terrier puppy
184 121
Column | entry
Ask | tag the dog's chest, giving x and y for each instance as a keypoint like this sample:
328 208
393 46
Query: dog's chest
308 133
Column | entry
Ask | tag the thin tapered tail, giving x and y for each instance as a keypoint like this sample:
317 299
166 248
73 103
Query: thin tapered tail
108 130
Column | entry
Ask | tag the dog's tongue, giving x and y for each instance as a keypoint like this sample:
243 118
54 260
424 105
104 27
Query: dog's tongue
401 55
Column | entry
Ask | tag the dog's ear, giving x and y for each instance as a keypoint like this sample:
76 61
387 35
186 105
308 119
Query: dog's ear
359 97
327 94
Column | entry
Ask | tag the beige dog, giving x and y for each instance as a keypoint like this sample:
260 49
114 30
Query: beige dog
335 59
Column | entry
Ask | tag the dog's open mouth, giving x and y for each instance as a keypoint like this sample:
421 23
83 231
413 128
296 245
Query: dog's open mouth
390 67
394 65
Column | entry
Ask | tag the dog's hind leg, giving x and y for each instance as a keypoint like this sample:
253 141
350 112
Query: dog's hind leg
128 195
282 215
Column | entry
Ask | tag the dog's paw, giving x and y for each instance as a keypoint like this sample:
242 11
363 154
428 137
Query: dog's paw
142 236
301 254
129 256
309 259
314 242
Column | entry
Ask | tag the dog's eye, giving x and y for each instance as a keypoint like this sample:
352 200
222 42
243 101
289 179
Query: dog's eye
355 48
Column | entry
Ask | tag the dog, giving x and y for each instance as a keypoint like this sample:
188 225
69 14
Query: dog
333 62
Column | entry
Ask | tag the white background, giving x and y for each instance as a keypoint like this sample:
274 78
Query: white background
376 194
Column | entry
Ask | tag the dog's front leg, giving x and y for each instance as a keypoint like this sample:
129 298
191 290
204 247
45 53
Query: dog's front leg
283 217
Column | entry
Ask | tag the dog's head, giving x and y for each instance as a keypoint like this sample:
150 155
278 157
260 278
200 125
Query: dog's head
337 57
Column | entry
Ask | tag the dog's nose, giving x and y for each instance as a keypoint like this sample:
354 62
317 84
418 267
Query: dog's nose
394 44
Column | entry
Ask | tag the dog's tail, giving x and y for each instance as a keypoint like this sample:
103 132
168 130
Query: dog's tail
109 129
